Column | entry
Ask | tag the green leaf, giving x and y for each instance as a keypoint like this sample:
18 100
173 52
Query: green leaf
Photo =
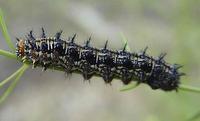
2 83
124 39
129 87
5 31
13 84
189 88
8 54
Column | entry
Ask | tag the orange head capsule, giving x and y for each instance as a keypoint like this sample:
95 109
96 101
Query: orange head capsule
20 50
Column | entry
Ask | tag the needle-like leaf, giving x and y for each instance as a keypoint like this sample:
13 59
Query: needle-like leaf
13 84
131 85
8 54
2 83
189 88
5 31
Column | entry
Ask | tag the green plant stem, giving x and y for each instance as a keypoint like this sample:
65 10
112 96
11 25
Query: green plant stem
8 54
189 88
5 31
2 83
13 84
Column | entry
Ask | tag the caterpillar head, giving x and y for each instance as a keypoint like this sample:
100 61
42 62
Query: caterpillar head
20 47
165 77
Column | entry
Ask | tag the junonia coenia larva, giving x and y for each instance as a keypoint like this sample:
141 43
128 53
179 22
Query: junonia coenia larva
109 64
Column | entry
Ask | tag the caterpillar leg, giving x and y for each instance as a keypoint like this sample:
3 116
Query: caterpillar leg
126 76
86 70
107 74
68 65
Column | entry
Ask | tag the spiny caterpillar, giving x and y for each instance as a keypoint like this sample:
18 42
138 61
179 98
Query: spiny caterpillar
70 56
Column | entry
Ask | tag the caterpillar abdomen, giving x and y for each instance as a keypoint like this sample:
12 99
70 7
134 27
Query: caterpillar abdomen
109 64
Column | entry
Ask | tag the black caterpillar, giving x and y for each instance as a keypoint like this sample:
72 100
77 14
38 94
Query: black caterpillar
109 64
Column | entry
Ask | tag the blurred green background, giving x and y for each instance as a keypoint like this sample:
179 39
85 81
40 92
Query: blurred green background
171 26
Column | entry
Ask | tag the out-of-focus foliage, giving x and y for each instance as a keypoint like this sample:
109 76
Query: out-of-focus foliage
165 26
